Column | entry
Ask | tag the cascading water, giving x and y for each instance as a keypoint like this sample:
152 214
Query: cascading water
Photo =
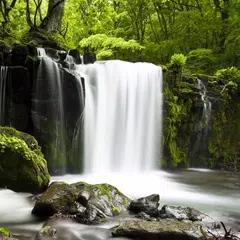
207 105
47 109
122 117
3 79
200 146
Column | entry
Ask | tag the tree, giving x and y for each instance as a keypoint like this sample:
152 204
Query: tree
52 22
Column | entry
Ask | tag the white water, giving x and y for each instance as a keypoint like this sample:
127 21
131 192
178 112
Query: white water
47 108
122 117
207 105
3 79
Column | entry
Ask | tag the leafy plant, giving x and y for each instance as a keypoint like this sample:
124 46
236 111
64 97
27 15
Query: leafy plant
201 58
178 61
229 74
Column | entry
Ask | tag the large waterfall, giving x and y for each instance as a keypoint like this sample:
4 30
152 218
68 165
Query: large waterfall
122 116
120 126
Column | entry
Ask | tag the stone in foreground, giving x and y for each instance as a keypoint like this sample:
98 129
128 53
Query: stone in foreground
181 213
84 202
166 230
148 205
22 165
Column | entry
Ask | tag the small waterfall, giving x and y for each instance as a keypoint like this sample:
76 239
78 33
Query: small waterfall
3 82
48 109
200 147
207 105
122 117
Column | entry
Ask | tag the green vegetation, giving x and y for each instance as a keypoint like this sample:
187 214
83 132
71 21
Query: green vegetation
229 74
177 62
4 232
22 165
206 32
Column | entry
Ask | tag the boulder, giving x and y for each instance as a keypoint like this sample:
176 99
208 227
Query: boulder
47 231
101 201
181 213
60 197
148 205
22 165
84 202
167 230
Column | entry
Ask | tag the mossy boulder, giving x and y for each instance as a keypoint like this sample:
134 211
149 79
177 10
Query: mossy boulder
58 198
22 165
84 202
6 235
167 230
4 232
101 201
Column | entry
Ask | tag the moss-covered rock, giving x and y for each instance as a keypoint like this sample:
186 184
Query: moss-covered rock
4 232
22 165
84 202
172 229
58 198
6 235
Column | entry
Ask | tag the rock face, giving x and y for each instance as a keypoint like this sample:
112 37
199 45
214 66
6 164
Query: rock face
172 229
84 202
22 165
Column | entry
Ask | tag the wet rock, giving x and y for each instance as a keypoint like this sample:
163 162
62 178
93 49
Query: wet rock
47 231
167 230
22 165
101 201
19 54
88 56
86 203
62 55
148 205
19 97
58 198
76 56
181 213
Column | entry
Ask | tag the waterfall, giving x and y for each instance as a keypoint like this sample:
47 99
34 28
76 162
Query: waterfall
3 82
120 128
207 105
200 146
122 117
48 109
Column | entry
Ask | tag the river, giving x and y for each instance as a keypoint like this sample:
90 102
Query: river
215 193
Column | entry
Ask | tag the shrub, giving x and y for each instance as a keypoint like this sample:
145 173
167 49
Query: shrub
178 61
229 74
201 58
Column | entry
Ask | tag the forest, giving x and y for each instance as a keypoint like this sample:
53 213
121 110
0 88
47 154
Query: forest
149 30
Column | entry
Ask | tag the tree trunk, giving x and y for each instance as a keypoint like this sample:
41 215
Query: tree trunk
53 21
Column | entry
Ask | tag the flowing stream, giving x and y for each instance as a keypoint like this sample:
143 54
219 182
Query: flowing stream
215 193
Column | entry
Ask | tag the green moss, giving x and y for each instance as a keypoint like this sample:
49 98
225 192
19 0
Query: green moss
115 210
22 165
27 138
4 232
